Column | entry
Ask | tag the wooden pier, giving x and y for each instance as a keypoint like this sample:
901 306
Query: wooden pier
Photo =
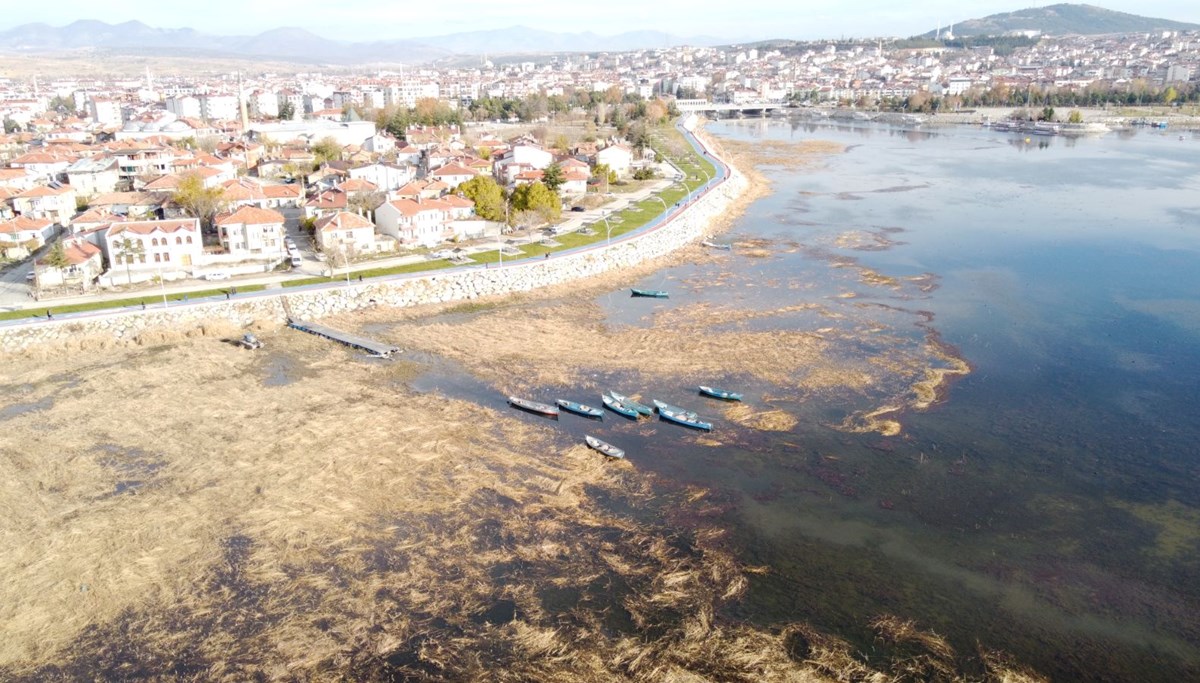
369 345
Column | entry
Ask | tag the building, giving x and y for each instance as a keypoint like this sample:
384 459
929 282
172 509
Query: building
217 107
618 158
85 263
24 230
104 111
140 250
93 175
423 222
184 106
350 235
251 233
55 202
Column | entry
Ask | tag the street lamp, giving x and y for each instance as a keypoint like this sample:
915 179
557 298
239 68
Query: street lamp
607 232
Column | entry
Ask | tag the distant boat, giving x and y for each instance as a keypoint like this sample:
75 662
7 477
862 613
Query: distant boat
720 393
250 341
685 419
630 403
580 409
533 406
717 245
620 408
661 405
605 448
655 293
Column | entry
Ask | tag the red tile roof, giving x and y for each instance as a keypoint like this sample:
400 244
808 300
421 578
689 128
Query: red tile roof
250 215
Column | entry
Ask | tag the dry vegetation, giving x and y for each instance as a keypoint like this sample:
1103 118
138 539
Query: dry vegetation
195 511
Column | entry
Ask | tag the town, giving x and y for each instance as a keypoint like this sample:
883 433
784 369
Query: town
112 185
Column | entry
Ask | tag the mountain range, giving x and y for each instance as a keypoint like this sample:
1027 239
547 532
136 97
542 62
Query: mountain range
1065 19
300 45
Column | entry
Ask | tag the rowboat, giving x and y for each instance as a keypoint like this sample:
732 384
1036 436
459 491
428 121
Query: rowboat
656 293
720 393
533 406
717 245
661 405
620 408
684 419
605 448
630 403
580 409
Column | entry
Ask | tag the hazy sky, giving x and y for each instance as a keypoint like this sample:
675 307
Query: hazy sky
733 20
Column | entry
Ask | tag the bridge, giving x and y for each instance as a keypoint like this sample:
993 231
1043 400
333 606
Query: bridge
693 106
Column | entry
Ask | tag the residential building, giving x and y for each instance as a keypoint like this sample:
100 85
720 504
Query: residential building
251 233
618 158
23 230
350 234
93 175
85 263
55 202
140 250
105 111
423 222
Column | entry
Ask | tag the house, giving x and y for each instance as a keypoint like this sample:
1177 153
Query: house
85 263
45 165
93 175
386 176
15 234
350 234
574 182
251 233
619 158
54 201
140 250
325 203
136 204
420 189
17 178
521 157
452 174
423 222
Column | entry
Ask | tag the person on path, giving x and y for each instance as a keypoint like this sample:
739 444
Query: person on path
49 315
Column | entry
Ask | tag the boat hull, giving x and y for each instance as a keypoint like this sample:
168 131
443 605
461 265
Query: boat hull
686 421
630 403
720 393
603 447
620 408
662 405
651 293
533 406
581 409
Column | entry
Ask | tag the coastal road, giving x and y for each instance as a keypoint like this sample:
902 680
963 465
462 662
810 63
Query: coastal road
14 288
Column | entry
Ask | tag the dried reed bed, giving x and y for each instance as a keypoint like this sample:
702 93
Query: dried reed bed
334 527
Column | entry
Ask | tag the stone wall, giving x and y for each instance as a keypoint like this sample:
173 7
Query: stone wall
434 287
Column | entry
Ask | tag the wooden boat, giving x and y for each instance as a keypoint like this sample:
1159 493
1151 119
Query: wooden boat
630 403
605 448
661 405
687 420
656 293
533 406
720 393
717 245
581 409
619 407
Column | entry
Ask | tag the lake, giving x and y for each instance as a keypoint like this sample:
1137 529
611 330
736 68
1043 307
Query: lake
1049 503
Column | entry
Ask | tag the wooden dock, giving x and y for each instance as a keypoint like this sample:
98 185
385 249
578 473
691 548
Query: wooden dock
353 340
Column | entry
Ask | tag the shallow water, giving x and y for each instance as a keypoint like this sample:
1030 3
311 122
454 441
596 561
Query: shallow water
1050 505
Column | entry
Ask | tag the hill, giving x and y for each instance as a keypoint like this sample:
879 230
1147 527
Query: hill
300 45
1065 19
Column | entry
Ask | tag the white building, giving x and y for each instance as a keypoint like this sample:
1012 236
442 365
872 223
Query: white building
251 233
139 250
218 107
349 234
104 111
183 106
264 104
423 222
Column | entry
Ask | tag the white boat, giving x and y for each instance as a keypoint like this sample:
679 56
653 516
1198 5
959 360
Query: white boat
604 447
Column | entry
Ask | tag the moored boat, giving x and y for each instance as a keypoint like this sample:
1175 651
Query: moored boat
581 409
630 403
683 419
663 405
717 245
619 407
533 406
604 447
720 393
655 293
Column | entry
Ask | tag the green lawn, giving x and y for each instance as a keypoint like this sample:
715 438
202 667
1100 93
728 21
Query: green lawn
150 299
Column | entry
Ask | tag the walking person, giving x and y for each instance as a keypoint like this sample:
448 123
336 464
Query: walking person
49 315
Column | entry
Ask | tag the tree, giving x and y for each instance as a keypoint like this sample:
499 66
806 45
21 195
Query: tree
603 173
11 127
56 257
128 250
199 201
553 177
327 149
1075 116
365 203
1047 114
487 195
537 197
287 110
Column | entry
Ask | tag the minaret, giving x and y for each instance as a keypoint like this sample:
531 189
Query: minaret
242 105
149 81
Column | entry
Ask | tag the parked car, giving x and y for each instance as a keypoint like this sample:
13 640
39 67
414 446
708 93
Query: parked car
578 208
216 275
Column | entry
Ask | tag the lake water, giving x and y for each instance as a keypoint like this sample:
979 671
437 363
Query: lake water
1049 506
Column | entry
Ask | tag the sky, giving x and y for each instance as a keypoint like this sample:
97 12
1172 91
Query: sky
734 20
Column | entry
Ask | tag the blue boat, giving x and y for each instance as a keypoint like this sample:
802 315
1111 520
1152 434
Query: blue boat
662 405
620 408
683 419
720 393
630 403
581 409
656 293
